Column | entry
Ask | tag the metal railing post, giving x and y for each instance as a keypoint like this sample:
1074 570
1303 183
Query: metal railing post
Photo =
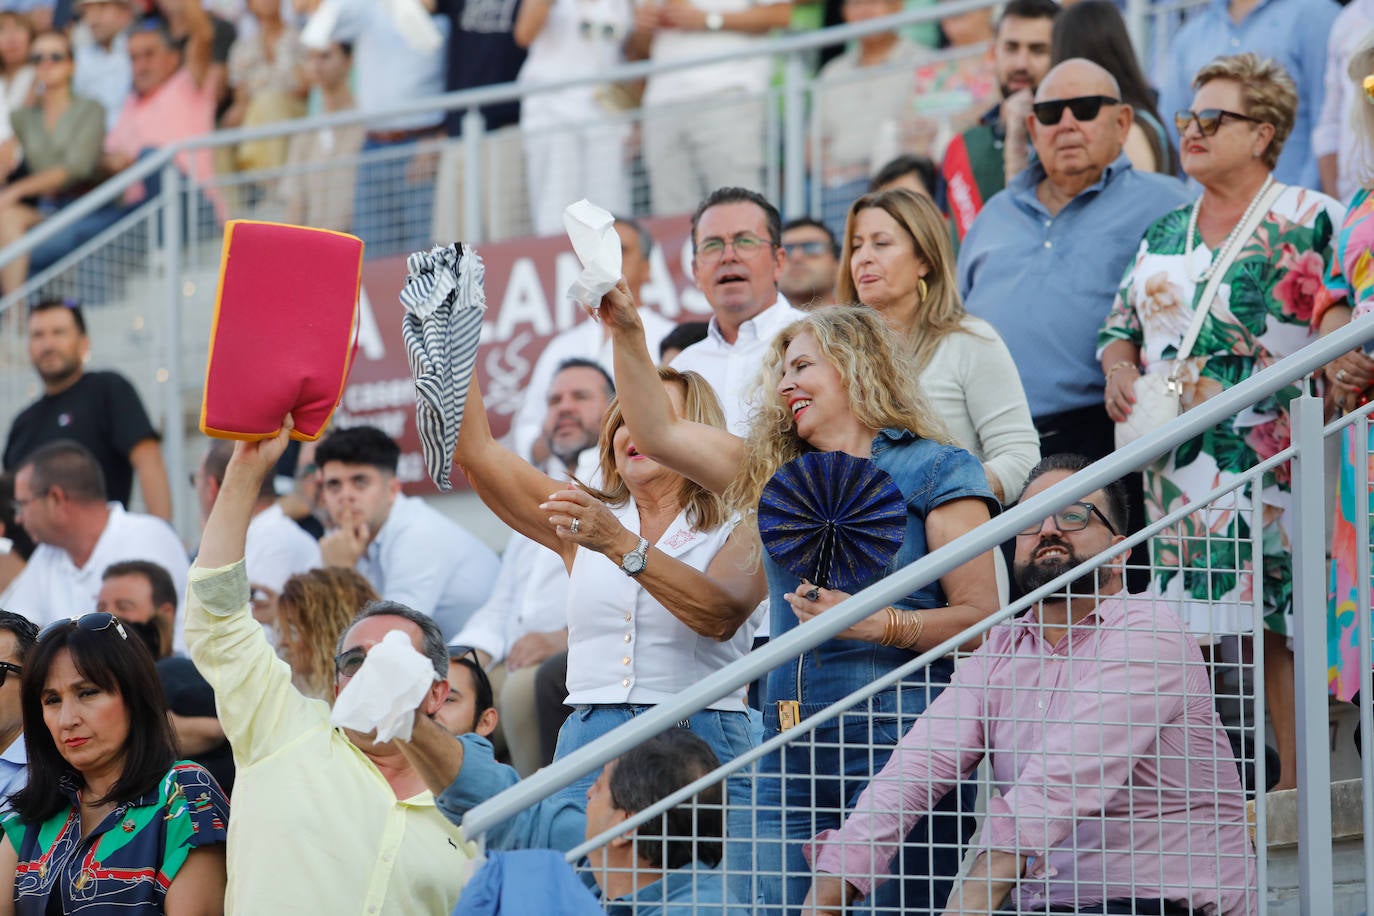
794 136
1315 873
173 419
474 126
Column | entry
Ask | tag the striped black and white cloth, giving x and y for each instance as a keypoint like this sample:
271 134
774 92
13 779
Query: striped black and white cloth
444 304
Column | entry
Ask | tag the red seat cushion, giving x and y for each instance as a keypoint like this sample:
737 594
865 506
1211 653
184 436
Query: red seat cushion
283 334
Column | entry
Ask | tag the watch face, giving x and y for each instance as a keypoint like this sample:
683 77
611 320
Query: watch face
633 563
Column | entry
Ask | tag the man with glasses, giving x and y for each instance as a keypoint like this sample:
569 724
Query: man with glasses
17 636
737 260
365 834
1119 792
813 263
1043 260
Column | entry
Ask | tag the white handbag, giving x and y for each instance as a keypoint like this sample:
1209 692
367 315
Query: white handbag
1159 392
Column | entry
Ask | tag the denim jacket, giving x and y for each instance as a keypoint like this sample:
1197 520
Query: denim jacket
929 475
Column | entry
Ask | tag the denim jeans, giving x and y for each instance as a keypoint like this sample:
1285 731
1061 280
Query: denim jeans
391 213
728 733
814 782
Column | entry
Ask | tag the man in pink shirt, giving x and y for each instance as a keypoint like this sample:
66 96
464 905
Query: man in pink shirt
172 99
1119 792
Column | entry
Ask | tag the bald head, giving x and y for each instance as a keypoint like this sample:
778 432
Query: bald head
1079 126
1075 77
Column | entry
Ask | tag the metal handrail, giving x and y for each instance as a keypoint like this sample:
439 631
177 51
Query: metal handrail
930 568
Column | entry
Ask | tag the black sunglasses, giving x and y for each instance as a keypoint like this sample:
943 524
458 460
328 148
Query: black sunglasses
1209 120
467 657
348 663
1084 108
6 668
1073 517
96 621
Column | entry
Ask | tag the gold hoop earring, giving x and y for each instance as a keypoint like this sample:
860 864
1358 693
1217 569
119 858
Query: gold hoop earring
921 288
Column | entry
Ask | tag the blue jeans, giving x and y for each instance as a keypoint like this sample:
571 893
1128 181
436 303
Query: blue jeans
728 733
813 782
392 214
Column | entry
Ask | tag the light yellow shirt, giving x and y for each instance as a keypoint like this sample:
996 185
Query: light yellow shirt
315 826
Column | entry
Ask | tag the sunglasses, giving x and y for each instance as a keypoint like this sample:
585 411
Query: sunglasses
348 663
96 621
52 58
1084 108
467 657
6 668
1073 517
1209 120
810 249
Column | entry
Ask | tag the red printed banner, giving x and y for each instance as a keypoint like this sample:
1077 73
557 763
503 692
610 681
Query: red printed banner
526 285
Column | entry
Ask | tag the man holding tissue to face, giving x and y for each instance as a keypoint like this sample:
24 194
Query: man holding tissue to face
366 836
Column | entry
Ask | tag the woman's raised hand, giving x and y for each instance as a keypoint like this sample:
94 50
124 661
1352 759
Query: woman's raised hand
810 601
617 310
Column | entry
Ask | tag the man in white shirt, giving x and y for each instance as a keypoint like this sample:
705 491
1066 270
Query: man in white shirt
587 340
525 621
59 495
17 636
278 548
410 552
703 126
737 259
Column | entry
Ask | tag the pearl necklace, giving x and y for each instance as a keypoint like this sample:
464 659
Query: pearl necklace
1226 243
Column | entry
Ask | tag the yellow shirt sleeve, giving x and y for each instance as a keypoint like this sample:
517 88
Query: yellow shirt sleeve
260 710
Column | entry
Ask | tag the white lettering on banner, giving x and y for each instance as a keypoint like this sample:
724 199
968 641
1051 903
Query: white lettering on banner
508 369
658 292
568 312
524 302
369 336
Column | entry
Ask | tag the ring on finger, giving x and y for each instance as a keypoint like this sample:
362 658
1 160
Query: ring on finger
813 594
576 525
1340 375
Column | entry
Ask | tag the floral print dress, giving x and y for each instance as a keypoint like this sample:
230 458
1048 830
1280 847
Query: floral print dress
1263 312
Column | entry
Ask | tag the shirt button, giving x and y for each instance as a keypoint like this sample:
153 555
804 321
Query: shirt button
1048 243
627 616
625 682
625 660
627 637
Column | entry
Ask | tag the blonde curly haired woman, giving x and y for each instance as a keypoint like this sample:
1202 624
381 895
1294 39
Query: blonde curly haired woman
836 380
313 609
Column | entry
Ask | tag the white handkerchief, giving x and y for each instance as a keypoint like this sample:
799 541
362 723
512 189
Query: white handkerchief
385 692
415 24
597 245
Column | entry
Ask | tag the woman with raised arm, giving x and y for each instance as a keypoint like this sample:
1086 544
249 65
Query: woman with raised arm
836 380
661 587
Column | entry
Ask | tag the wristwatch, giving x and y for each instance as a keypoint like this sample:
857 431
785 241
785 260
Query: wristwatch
714 22
633 562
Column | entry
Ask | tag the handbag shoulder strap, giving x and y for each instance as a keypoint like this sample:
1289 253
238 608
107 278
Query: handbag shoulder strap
1223 263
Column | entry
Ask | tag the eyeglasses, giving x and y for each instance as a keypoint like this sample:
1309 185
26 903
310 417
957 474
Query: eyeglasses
744 244
810 249
55 57
467 657
99 620
1073 517
18 505
6 668
1084 108
348 663
1209 120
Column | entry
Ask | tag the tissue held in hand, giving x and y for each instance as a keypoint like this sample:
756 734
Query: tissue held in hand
597 245
385 692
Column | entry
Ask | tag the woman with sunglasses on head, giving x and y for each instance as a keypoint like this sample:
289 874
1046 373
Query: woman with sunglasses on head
898 261
838 380
1243 265
60 138
110 821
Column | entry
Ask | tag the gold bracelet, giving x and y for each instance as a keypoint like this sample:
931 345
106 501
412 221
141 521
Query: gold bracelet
890 630
913 622
1121 365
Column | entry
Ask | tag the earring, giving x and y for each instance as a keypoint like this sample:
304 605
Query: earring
921 288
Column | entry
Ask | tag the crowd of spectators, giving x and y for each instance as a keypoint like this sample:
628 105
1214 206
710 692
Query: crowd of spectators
1025 235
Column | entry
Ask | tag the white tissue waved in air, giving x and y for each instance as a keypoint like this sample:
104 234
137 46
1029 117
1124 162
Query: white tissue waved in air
386 691
597 245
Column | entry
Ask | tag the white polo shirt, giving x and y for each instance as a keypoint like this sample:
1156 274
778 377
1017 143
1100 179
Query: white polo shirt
277 549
